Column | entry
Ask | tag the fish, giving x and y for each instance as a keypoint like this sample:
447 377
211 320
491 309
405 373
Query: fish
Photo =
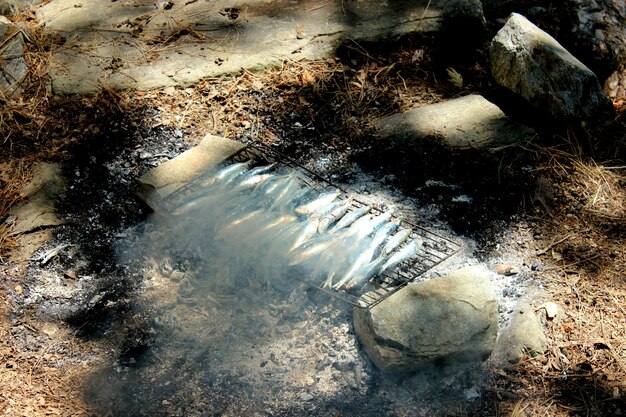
383 234
309 230
329 279
340 209
295 200
306 250
366 272
284 195
368 248
378 221
403 254
278 222
292 198
241 221
192 203
396 240
268 187
323 200
350 218
230 172
254 180
258 170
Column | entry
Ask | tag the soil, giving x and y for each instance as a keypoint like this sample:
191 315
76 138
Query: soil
87 319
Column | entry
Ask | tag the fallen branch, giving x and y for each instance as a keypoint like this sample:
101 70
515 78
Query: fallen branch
551 245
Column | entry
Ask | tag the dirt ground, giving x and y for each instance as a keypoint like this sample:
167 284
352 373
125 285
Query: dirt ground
558 203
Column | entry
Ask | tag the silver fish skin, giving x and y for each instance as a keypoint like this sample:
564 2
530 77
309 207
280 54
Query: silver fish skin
350 218
366 272
232 171
193 203
396 240
403 254
253 180
258 170
229 169
312 248
384 232
286 193
271 185
330 218
365 257
380 220
309 230
326 210
319 203
266 228
293 199
240 222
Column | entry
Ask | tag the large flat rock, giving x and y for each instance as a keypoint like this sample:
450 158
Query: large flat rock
442 320
150 44
168 177
466 122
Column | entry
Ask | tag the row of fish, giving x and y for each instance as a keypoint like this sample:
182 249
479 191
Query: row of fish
279 222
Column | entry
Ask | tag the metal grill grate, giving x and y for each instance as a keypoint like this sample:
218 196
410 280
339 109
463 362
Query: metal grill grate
434 250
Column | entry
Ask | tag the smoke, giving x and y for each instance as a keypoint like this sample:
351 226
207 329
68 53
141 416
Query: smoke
227 323
283 229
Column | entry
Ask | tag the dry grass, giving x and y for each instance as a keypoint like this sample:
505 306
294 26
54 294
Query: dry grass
602 190
34 381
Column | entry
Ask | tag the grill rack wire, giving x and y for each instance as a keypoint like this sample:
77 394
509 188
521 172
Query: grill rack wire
435 248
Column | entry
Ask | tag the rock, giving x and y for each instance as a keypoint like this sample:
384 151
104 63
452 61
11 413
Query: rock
441 320
37 210
524 335
171 175
551 310
506 269
534 65
14 6
466 122
13 68
598 30
298 31
5 26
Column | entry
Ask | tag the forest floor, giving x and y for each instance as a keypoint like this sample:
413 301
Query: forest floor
560 200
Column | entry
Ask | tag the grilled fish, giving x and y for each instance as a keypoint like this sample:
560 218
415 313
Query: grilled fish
396 240
319 203
366 272
340 210
350 218
403 254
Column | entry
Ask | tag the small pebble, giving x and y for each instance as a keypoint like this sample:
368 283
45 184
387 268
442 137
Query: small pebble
551 310
506 269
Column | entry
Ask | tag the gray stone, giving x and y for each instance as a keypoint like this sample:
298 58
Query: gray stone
523 336
466 122
534 65
5 26
123 45
37 210
13 68
599 33
168 177
441 320
14 6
